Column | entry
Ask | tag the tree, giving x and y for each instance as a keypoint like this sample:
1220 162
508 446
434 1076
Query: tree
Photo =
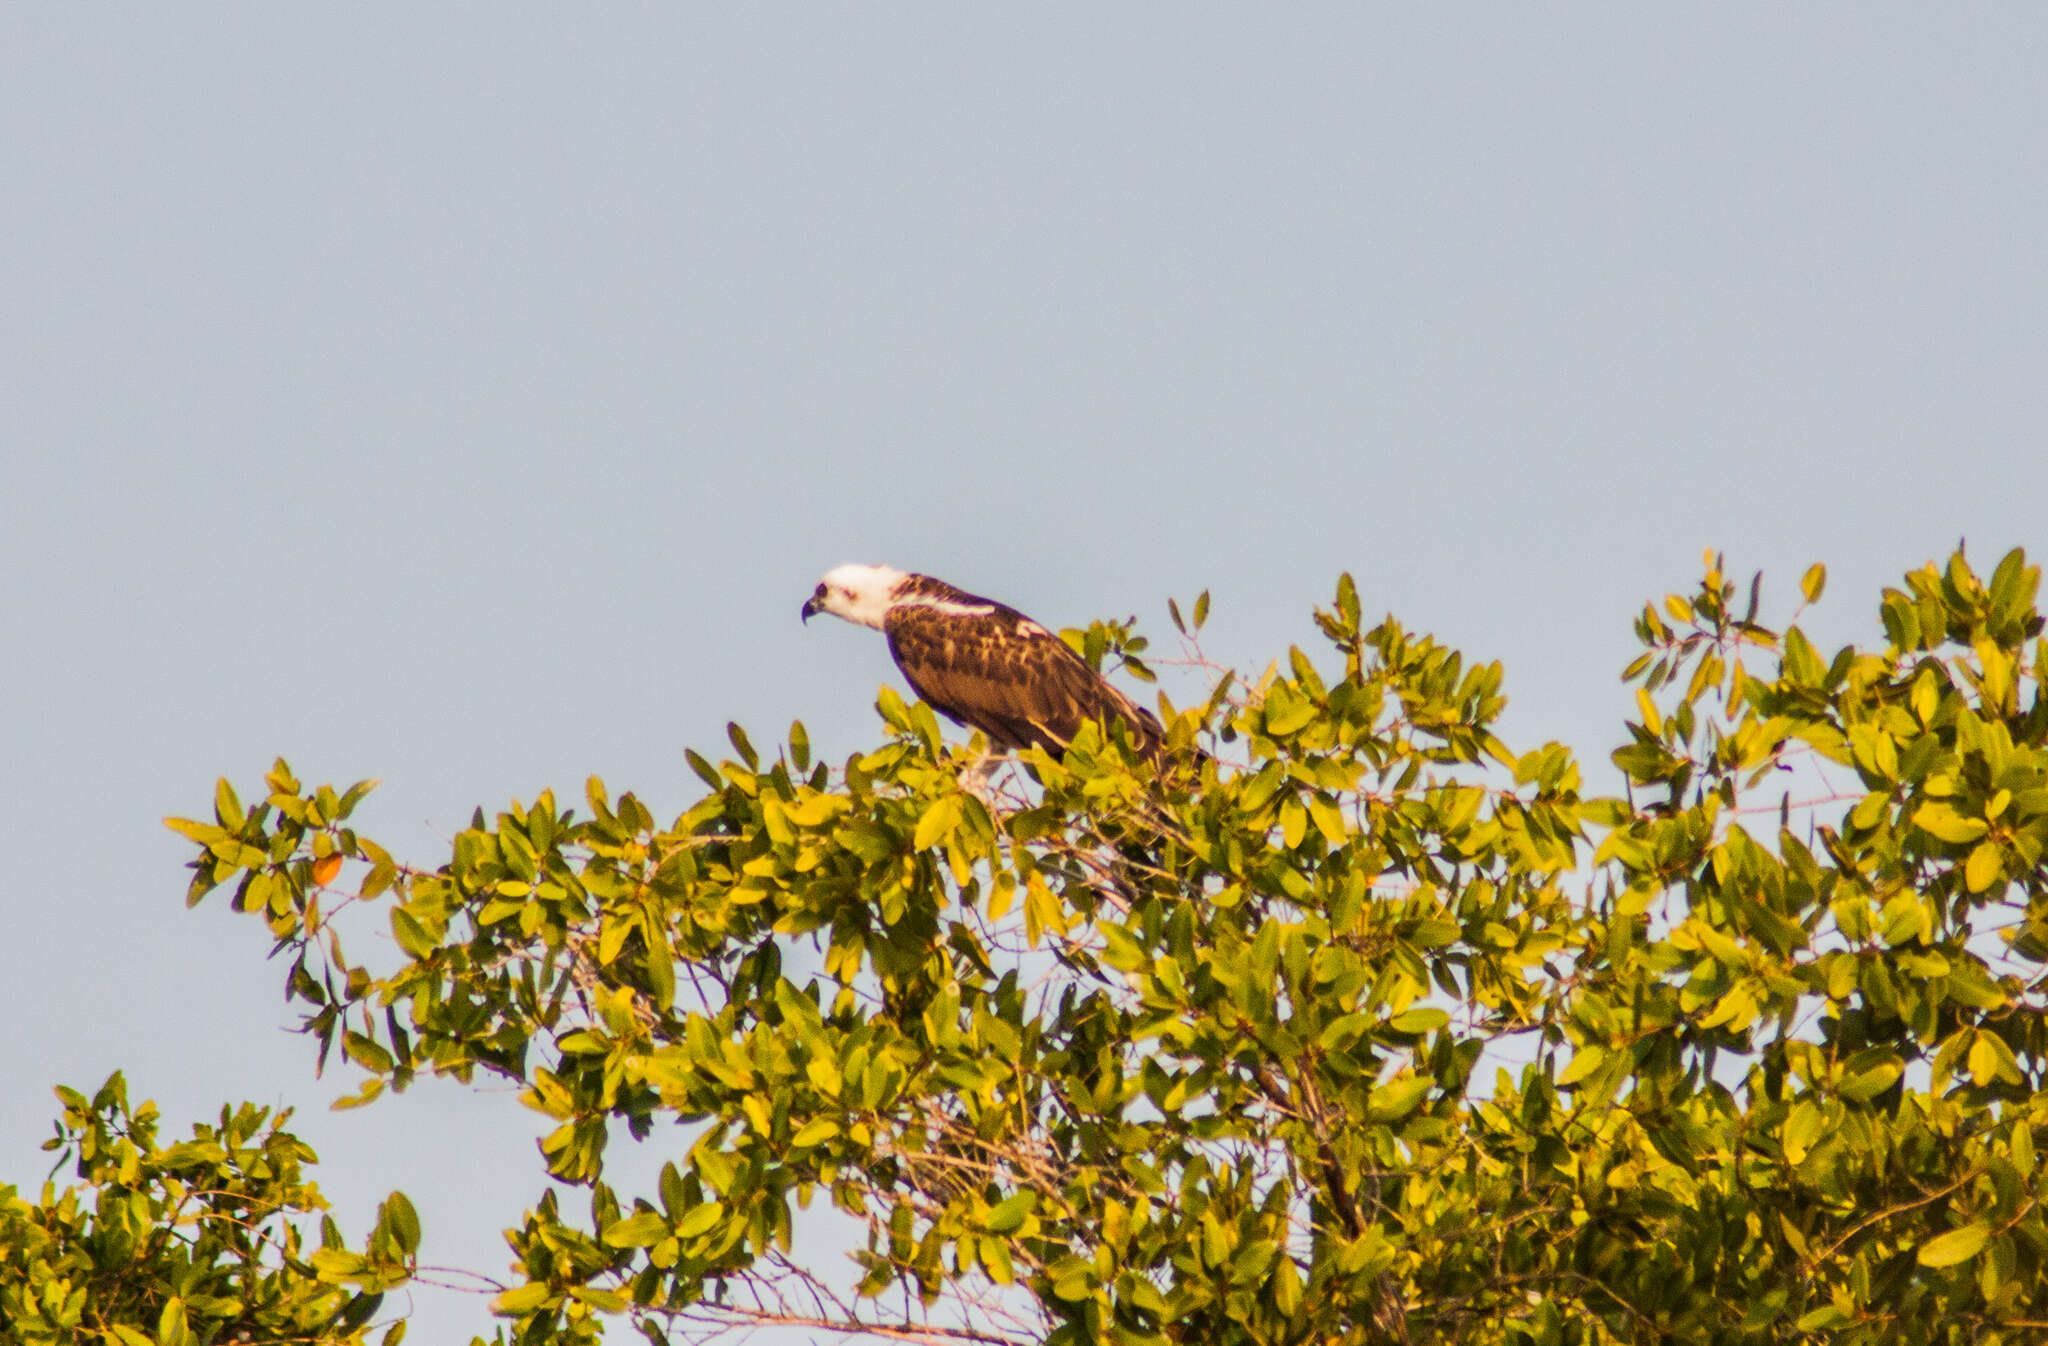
194 1242
1370 1028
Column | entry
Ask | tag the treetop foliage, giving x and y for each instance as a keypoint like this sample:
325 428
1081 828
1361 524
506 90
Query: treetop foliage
177 1245
1369 1027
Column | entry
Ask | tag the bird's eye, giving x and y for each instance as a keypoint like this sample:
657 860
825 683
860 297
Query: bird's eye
820 593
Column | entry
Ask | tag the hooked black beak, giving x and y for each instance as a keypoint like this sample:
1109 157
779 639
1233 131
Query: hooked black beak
811 605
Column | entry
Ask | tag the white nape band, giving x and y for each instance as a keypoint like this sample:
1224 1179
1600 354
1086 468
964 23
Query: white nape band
941 605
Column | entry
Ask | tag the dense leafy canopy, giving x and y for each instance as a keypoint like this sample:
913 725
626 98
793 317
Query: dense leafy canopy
1367 1028
189 1243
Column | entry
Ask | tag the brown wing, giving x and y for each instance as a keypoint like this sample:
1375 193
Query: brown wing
1009 677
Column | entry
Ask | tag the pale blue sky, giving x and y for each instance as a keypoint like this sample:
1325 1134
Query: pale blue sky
469 397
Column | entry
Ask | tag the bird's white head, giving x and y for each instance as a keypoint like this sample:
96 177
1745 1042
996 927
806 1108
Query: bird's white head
859 594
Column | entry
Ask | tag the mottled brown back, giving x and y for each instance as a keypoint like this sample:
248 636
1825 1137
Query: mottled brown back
1009 677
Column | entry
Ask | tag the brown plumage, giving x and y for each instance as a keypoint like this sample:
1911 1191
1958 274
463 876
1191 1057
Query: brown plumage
981 663
1009 677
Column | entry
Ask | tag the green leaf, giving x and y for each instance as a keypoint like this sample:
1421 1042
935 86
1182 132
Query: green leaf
1423 1020
371 1090
1986 863
172 1327
403 1221
1009 1215
637 1231
525 1299
227 807
705 771
938 822
699 1219
1956 1246
1293 823
1815 580
1587 1060
366 1053
411 935
1347 598
1868 1084
1398 1098
338 1264
206 834
1328 818
1943 821
1286 714
816 1132
1991 1059
818 809
1802 663
1434 934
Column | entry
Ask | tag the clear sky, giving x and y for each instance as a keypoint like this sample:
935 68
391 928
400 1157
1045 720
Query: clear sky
468 397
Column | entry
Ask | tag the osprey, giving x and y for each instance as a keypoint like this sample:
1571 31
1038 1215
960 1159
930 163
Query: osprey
980 663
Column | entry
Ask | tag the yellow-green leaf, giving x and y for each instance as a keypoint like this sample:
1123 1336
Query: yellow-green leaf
1008 1215
1421 1020
1396 1099
815 1133
522 1300
1957 1245
1285 716
1944 822
1861 1088
1984 866
1588 1060
637 1231
938 821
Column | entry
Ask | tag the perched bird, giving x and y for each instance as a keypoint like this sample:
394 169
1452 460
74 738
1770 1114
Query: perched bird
980 663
